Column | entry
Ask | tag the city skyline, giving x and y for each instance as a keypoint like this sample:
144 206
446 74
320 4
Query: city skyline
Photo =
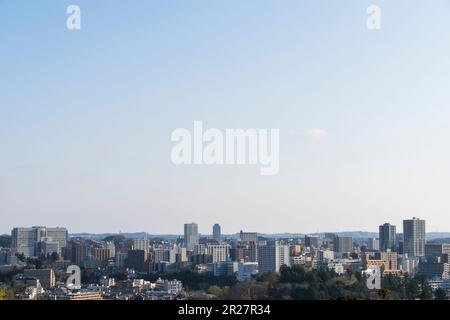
86 116
407 267
196 234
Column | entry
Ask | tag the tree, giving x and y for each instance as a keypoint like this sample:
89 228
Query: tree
54 256
440 294
412 288
6 294
426 293
217 291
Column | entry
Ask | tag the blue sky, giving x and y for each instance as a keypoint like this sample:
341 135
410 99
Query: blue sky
86 116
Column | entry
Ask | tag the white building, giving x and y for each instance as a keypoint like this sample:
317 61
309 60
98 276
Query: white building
298 260
325 255
219 252
141 244
164 255
169 286
246 270
25 240
48 246
373 244
440 283
409 264
336 267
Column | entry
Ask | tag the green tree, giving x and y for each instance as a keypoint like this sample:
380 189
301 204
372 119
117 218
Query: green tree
6 294
215 290
54 256
440 294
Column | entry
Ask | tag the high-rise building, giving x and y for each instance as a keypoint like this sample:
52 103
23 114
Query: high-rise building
59 235
247 252
100 254
26 240
180 253
141 244
414 237
373 244
121 259
219 252
190 235
387 237
163 255
136 259
248 236
272 256
47 247
343 244
312 241
216 232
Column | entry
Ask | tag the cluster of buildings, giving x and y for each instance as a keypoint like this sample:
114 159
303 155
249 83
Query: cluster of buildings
243 257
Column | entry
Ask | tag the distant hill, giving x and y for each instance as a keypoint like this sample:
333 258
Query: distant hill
141 235
435 236
133 235
440 240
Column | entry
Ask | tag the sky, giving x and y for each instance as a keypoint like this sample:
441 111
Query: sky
86 115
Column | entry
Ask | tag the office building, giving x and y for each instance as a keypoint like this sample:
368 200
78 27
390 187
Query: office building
121 258
324 255
136 259
190 236
246 271
388 239
390 258
343 244
272 256
164 255
247 252
219 252
101 254
180 253
248 236
141 244
414 237
26 240
373 244
59 235
217 232
312 241
48 247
